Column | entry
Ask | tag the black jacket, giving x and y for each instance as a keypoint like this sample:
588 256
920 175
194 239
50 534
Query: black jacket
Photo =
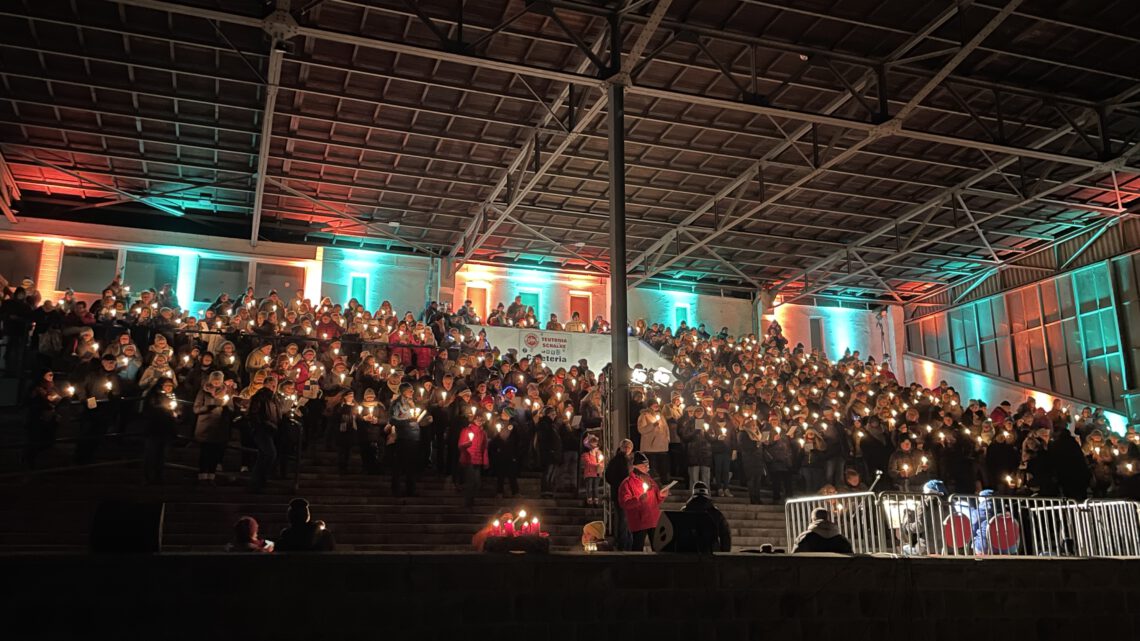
549 442
307 537
264 410
720 538
822 536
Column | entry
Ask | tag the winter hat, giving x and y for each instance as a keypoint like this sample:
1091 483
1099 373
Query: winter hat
934 486
821 514
700 488
640 459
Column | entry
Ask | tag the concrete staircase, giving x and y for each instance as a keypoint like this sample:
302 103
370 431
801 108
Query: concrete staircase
52 512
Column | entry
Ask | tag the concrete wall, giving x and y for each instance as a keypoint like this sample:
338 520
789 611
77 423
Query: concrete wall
656 306
845 328
609 596
394 278
553 289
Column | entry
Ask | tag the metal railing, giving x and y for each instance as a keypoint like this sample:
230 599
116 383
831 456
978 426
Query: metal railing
910 524
856 515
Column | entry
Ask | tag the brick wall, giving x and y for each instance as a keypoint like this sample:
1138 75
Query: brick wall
570 597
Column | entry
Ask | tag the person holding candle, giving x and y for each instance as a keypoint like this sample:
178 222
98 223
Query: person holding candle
549 446
405 416
264 419
617 469
212 424
473 457
100 392
694 434
654 433
779 458
160 415
503 452
43 418
640 499
592 460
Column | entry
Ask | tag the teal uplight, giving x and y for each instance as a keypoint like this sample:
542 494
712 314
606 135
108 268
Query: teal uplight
1117 422
529 276
837 327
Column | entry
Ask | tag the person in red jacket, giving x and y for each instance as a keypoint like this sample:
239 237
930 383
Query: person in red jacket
473 457
640 499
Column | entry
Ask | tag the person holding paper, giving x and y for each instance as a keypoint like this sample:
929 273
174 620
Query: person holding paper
640 499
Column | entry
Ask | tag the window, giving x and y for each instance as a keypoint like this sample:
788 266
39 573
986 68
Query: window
218 276
358 288
285 279
530 299
87 271
1100 335
580 303
478 298
680 315
20 260
815 326
914 338
144 270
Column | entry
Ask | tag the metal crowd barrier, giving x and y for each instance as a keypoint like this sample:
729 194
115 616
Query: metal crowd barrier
910 524
1110 528
856 515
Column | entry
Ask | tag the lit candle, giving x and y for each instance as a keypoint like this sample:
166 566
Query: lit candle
69 390
108 385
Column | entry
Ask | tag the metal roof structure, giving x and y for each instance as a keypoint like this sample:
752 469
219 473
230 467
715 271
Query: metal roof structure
862 150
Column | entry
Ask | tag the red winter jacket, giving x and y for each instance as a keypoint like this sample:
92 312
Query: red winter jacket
642 507
473 451
591 467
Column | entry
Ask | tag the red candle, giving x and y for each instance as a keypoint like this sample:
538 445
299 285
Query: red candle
509 528
496 528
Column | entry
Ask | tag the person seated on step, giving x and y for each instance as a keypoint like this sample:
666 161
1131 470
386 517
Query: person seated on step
304 534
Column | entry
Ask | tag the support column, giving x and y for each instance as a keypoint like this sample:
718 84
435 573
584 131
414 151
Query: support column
618 314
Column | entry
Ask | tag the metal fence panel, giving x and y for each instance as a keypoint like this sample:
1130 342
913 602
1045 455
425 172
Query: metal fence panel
856 515
1111 528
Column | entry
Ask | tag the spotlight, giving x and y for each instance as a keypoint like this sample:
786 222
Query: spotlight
662 376
639 376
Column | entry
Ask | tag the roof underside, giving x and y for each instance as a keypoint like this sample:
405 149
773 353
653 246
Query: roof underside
860 149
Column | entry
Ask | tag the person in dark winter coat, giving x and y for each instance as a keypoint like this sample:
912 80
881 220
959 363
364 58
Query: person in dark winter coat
212 426
160 413
264 418
694 434
1072 471
549 449
504 453
780 456
720 537
43 417
822 535
616 471
304 534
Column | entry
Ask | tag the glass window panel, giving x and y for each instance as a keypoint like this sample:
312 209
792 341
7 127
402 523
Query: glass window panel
1108 332
285 279
973 357
1055 341
1013 303
1079 380
1103 282
970 327
985 320
20 260
1099 381
1074 347
1049 306
1061 381
1085 289
989 358
145 270
530 299
1031 307
914 338
218 276
1001 318
956 336
1037 350
1065 302
87 271
1005 356
1041 379
1021 353
1093 340
960 357
929 338
943 337
1116 379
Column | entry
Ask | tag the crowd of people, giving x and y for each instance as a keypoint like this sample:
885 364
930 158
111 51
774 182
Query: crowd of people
404 392
409 392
